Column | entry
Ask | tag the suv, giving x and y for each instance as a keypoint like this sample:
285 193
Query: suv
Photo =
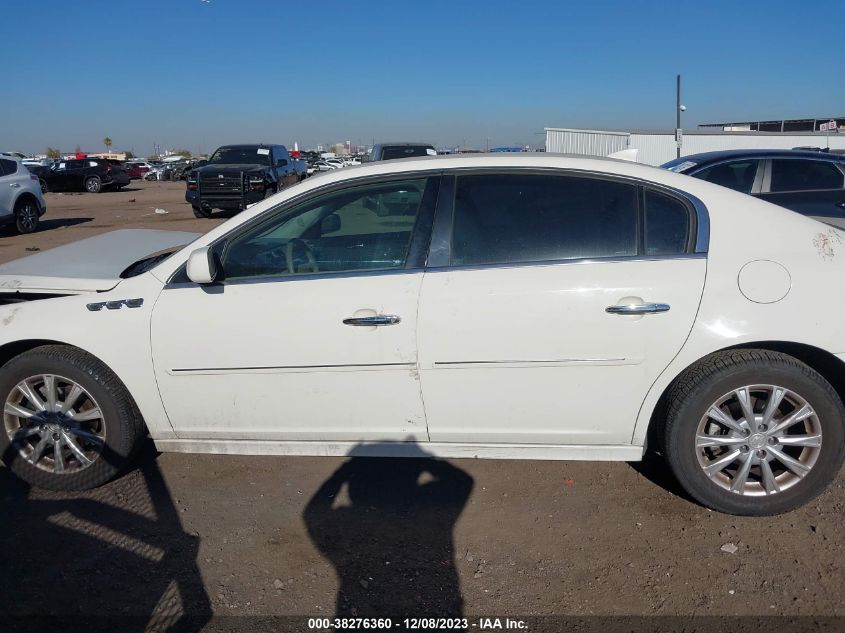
239 175
85 174
811 183
389 151
21 201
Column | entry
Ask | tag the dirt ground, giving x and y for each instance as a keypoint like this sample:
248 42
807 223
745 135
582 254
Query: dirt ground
201 542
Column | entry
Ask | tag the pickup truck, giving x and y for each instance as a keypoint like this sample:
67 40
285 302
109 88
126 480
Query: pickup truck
237 176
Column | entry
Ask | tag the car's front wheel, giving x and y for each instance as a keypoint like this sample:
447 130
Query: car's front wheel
68 421
754 432
93 184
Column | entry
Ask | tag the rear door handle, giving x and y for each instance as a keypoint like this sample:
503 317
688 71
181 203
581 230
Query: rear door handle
841 205
379 319
638 308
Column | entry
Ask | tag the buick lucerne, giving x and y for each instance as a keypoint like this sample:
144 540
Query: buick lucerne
507 306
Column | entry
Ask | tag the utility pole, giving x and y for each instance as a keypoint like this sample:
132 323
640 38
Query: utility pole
678 137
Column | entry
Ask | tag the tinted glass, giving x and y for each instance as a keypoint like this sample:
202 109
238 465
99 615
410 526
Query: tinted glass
667 225
737 175
524 218
805 175
389 153
7 167
360 228
241 156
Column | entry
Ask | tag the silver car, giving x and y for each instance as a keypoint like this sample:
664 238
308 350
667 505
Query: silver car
21 201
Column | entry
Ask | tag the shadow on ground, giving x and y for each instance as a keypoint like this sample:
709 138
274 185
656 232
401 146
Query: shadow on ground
113 559
386 525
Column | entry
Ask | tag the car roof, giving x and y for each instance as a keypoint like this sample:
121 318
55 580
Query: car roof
403 144
717 156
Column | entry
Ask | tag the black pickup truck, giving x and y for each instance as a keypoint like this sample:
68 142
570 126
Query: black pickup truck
239 175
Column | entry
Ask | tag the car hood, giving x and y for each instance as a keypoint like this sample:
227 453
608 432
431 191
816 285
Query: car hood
231 169
90 265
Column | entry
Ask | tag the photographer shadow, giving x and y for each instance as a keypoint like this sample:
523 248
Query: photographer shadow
386 525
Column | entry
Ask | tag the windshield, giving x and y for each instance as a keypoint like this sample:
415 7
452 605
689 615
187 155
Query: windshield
241 156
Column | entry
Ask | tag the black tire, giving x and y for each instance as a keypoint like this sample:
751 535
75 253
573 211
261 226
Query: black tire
43 184
200 212
269 191
26 215
710 379
93 184
124 427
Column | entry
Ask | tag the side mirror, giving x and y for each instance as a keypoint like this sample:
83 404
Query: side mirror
282 162
201 163
330 224
201 267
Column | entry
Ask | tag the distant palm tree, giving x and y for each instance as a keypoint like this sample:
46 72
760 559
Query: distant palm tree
107 143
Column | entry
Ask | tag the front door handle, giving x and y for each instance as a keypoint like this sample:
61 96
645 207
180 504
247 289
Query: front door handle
379 319
638 308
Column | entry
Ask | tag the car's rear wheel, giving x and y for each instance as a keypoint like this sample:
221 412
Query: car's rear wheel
754 432
43 184
200 212
68 421
26 215
93 184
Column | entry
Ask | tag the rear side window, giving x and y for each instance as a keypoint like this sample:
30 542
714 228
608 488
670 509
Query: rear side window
667 225
8 167
525 218
737 175
805 175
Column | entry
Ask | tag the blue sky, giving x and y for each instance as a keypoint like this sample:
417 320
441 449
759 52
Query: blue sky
184 73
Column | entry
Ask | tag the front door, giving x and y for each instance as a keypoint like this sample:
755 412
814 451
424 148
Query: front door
311 335
560 301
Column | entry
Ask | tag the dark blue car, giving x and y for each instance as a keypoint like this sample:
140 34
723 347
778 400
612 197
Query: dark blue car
809 182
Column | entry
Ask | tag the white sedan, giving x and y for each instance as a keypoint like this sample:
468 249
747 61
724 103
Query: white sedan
508 306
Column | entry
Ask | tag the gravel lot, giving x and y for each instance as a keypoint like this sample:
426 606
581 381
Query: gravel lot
186 540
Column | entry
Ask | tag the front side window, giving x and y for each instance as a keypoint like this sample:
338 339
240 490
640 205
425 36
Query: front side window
737 175
523 218
804 175
362 228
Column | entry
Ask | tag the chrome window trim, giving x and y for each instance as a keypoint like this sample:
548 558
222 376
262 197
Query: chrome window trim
700 247
568 262
298 277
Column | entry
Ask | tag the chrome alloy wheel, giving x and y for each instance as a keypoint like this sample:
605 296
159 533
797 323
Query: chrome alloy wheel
54 424
758 440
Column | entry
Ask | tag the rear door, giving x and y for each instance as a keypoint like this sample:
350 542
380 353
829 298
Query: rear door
551 304
8 185
811 187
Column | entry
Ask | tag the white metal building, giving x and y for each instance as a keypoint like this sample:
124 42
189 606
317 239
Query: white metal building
658 146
